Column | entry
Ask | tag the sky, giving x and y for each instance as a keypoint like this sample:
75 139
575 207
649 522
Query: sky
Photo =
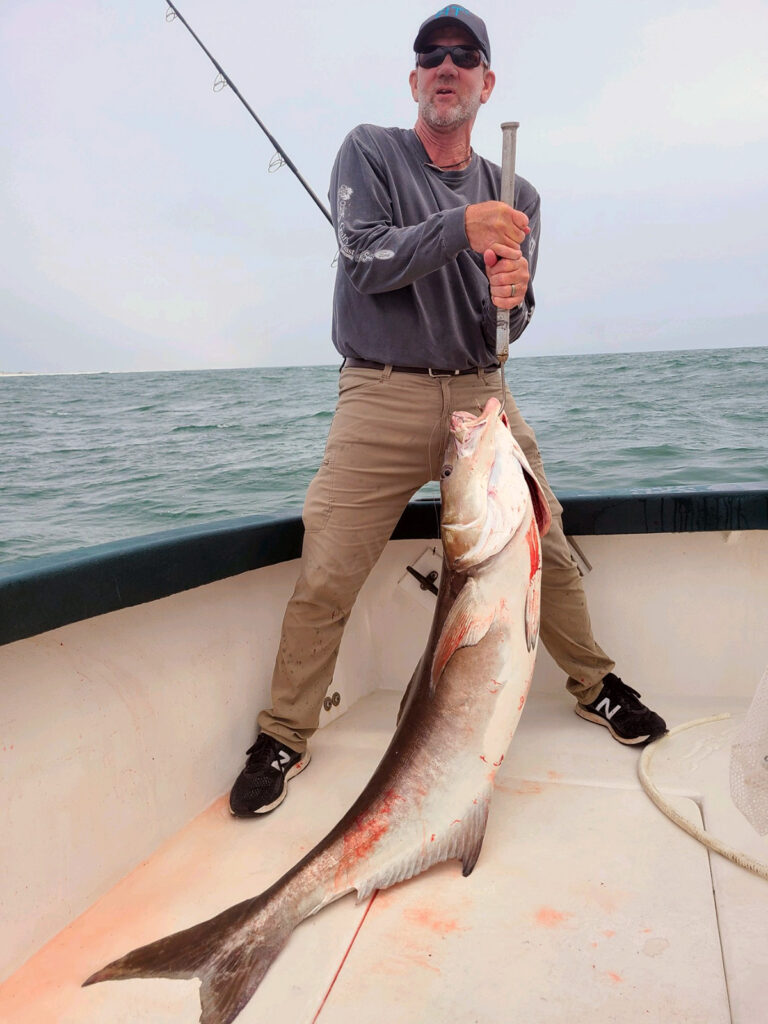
141 228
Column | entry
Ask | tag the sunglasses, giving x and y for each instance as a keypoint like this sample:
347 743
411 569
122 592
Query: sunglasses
462 56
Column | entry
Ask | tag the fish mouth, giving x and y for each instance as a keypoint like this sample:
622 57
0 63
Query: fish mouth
465 426
468 487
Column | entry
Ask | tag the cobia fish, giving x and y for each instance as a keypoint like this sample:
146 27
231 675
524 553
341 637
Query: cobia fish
428 799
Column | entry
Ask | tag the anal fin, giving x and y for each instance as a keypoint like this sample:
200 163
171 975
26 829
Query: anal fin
461 839
472 851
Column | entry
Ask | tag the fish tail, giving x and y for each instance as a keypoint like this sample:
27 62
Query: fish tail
230 954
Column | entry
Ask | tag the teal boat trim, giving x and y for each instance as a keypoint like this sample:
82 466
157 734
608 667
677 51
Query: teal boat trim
40 594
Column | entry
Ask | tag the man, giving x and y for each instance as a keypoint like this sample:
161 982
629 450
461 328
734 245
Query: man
427 256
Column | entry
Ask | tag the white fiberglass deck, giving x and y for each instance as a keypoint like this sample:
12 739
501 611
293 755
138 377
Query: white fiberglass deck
587 904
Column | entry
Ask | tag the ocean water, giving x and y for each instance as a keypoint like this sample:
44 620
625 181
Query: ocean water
90 458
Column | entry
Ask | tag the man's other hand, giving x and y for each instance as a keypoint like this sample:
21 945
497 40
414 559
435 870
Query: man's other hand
492 223
507 271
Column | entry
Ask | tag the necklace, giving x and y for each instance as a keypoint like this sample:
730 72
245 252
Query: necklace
449 167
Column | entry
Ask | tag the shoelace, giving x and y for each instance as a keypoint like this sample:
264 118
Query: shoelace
618 688
262 753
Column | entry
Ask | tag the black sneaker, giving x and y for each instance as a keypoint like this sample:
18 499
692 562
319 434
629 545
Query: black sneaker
618 707
261 785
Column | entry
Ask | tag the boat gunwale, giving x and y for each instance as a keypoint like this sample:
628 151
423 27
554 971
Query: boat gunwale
45 593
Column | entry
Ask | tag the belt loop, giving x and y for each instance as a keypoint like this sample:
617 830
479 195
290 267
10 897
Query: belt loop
386 373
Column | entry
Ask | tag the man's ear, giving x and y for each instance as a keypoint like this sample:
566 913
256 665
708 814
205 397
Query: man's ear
412 82
489 80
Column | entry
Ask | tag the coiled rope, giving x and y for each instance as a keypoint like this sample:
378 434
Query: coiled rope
643 770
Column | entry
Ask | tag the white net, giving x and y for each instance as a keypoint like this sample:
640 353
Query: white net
749 761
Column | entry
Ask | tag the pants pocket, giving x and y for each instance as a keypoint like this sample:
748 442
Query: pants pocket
352 379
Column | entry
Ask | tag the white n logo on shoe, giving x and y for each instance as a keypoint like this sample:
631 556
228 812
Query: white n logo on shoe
605 706
284 759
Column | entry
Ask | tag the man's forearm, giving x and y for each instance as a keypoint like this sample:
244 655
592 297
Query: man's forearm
381 258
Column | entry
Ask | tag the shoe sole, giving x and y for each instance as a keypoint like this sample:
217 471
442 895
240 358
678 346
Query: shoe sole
590 717
290 774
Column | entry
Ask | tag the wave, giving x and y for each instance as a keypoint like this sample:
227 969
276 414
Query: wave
90 460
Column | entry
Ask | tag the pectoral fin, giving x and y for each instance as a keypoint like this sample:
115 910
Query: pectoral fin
532 611
467 623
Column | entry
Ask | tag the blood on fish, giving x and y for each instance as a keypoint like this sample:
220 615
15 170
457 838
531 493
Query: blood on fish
522 701
369 829
533 548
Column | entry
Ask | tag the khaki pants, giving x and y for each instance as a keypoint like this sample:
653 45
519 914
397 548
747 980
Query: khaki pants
387 439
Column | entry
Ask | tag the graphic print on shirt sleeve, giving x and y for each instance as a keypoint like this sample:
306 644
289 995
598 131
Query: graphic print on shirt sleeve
343 196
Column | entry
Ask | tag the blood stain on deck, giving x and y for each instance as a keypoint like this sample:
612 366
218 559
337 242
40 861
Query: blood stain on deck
548 917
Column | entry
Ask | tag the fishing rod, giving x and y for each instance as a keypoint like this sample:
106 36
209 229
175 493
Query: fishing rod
224 79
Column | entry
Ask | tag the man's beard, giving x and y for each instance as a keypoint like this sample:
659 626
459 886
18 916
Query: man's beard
461 112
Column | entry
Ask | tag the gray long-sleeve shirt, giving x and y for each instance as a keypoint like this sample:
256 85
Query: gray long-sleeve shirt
409 289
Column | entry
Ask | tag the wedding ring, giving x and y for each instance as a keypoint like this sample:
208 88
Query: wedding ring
514 289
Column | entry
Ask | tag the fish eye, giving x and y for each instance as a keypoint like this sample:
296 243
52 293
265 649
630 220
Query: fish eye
447 470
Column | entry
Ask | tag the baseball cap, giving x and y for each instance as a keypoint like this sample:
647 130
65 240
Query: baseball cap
455 15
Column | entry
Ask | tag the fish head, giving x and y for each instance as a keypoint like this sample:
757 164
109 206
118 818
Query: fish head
486 487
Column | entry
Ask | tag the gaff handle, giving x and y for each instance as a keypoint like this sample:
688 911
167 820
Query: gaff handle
508 155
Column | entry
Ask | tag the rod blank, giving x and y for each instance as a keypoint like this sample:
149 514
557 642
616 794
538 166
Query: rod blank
259 122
